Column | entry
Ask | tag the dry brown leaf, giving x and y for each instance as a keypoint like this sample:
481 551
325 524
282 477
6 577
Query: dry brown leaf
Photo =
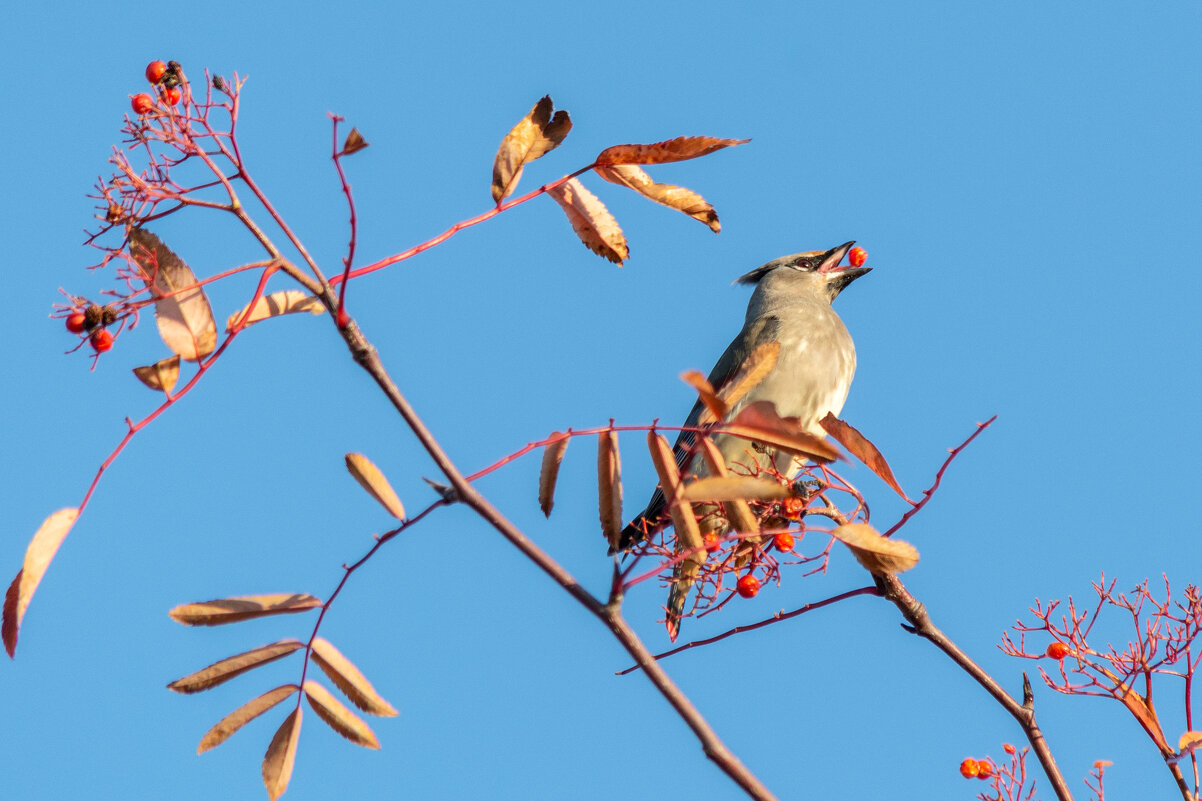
244 714
760 422
181 308
548 474
1190 741
609 487
679 149
354 142
348 679
688 534
738 513
228 668
38 555
859 446
161 375
234 610
715 407
878 555
754 369
372 480
1138 707
537 134
674 197
338 717
591 221
732 488
287 301
281 755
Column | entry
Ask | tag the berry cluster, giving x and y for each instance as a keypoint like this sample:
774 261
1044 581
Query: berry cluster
976 769
92 320
166 77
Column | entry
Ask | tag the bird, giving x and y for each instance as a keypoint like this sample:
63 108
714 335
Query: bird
791 305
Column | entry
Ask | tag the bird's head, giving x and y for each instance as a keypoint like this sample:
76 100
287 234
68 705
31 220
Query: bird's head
819 268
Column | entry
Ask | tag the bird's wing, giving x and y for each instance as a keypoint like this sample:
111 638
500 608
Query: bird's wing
757 332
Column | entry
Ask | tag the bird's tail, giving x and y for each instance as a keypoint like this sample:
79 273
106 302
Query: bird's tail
684 575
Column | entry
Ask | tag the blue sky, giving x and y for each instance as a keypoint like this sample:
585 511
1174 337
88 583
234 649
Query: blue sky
1025 178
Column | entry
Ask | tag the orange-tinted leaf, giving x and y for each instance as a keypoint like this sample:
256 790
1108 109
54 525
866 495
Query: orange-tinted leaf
683 519
244 714
731 488
859 446
679 149
760 422
354 142
348 679
549 473
377 486
715 407
609 486
234 610
591 221
41 550
674 197
288 301
281 755
181 308
755 367
1190 741
161 375
228 668
537 134
1138 707
878 555
737 511
338 717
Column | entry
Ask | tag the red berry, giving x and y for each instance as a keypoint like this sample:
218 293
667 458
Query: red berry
77 322
1009 749
142 103
713 543
857 256
155 71
1058 650
793 508
171 96
968 768
748 586
101 340
984 769
783 542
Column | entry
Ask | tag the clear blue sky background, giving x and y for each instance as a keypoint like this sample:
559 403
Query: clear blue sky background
1024 176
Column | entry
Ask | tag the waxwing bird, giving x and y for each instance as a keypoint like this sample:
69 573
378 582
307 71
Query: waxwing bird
791 305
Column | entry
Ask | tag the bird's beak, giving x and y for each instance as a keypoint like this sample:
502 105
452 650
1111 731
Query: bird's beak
837 278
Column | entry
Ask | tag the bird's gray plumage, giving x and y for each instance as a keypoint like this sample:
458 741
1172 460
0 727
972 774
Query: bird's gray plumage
791 305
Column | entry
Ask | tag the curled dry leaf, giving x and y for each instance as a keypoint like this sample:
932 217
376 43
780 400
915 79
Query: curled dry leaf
678 149
234 610
591 221
372 480
1190 741
338 717
760 422
161 375
354 142
548 474
609 487
38 555
228 668
737 511
674 197
537 134
181 308
348 679
281 755
754 369
288 301
878 555
688 534
244 714
715 407
732 488
859 446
